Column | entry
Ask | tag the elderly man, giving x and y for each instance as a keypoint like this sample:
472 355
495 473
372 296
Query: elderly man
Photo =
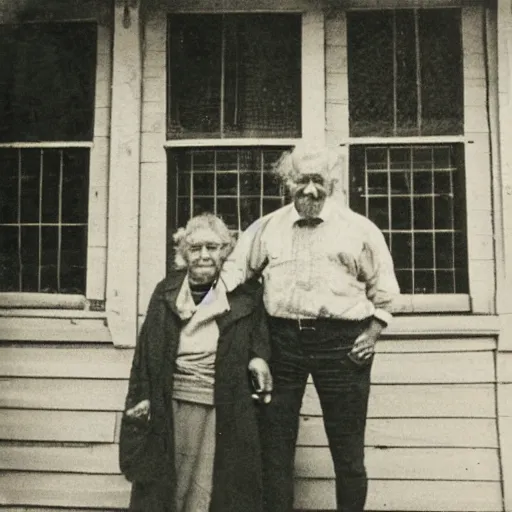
328 285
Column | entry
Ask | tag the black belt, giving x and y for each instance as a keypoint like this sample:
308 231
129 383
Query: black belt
313 324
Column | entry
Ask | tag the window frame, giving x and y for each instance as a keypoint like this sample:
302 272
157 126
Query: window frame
155 144
93 300
481 264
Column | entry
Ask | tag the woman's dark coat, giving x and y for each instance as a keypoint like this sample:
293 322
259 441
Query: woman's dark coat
237 477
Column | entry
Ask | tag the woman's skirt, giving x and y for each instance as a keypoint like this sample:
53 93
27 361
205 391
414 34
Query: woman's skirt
194 426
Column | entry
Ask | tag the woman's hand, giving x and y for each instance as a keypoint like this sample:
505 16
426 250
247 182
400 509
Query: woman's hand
140 410
261 380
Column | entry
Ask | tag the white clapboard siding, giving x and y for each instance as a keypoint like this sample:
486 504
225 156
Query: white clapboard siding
64 490
479 464
416 344
420 401
54 329
414 496
407 432
112 491
70 394
72 426
430 368
77 362
95 458
386 401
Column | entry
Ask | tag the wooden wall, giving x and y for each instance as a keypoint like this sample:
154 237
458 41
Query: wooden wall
431 437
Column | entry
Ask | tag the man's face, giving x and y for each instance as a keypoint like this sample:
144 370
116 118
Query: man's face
204 256
309 192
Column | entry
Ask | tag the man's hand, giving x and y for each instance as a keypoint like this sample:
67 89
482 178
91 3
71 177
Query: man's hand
261 380
139 410
364 346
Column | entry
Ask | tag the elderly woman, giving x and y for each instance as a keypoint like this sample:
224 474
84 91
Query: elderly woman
189 436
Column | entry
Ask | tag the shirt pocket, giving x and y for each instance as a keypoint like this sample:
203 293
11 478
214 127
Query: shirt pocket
342 276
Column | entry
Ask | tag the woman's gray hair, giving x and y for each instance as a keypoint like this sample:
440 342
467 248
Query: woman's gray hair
307 158
202 221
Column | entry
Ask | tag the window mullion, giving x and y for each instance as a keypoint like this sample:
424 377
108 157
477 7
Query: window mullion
222 77
20 261
419 109
395 75
59 220
40 219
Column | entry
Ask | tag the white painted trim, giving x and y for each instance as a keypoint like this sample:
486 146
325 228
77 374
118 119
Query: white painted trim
432 303
235 6
401 4
434 139
42 300
198 143
52 313
123 211
99 169
153 175
313 77
45 145
444 325
477 163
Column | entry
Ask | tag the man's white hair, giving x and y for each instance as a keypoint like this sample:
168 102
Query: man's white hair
307 158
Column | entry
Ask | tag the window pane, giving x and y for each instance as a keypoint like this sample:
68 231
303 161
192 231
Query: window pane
232 187
424 188
406 66
47 81
75 185
51 182
29 256
370 72
49 259
441 71
72 264
9 186
9 259
30 176
52 205
195 75
263 62
234 75
405 72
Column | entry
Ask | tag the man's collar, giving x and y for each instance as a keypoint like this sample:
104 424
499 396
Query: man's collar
325 214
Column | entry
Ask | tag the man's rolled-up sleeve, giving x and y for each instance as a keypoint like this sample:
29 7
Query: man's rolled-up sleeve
247 257
378 272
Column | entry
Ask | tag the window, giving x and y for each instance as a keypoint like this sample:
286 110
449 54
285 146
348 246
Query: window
234 75
47 88
235 183
413 194
405 81
405 73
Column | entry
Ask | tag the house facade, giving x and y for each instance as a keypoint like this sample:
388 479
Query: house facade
121 118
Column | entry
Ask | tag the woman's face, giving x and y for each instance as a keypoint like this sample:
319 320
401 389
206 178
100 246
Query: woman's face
204 255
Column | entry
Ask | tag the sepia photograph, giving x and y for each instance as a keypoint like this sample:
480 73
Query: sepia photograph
255 255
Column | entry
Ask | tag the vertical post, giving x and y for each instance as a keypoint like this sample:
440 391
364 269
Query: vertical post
313 77
153 167
336 93
504 244
124 178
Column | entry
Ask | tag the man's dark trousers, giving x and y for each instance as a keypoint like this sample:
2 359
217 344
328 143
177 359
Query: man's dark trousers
318 348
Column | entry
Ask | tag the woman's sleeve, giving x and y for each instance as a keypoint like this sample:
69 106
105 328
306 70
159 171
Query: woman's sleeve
138 386
260 339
